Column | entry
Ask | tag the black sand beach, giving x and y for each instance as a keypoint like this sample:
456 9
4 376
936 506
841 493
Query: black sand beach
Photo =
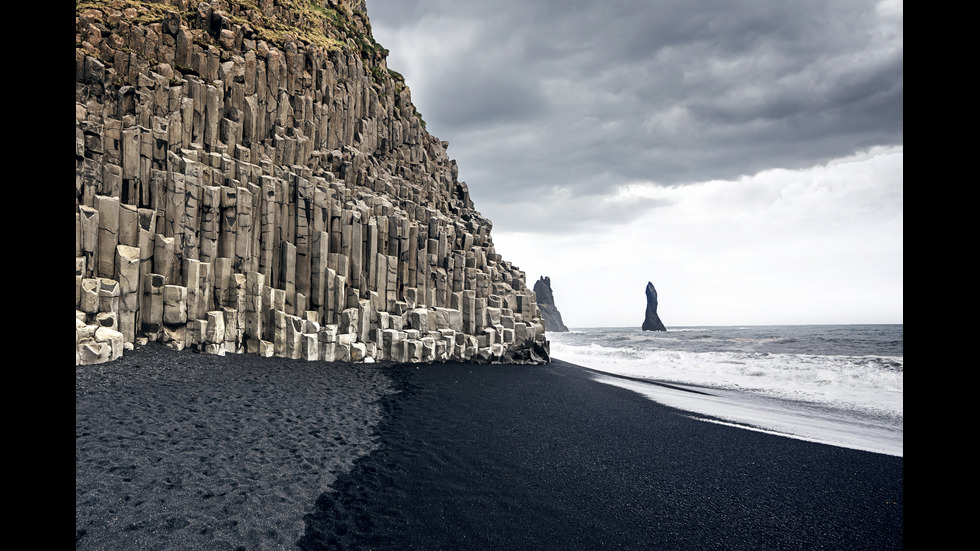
178 450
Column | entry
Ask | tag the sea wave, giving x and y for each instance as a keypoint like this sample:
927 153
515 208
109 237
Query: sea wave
871 384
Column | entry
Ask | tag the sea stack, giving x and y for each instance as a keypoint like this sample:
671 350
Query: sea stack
251 177
652 321
546 303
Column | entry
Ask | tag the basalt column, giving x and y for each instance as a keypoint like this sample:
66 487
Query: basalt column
258 181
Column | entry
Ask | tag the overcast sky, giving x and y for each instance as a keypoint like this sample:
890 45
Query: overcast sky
745 156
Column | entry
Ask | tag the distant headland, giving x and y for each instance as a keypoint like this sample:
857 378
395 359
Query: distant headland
546 304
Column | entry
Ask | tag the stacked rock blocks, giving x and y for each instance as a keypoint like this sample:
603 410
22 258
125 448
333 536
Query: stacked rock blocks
236 196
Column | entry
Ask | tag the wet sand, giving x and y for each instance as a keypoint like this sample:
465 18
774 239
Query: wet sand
187 451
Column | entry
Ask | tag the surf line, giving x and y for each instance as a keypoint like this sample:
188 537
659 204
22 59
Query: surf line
646 381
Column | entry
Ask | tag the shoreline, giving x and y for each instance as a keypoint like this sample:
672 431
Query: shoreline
798 419
445 456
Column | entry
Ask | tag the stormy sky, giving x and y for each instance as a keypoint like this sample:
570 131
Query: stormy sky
745 156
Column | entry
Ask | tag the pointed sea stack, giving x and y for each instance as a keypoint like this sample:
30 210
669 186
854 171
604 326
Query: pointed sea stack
652 321
546 304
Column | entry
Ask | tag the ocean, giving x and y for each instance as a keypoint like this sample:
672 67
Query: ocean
836 384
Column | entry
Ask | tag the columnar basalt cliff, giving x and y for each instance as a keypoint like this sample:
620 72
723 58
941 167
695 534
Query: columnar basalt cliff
250 177
546 303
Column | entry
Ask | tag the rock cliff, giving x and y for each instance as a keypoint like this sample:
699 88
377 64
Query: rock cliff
250 177
652 321
546 304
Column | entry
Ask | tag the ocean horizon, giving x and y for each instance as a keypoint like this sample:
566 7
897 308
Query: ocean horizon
839 384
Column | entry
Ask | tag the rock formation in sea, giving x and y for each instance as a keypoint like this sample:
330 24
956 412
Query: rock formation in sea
546 304
652 321
250 177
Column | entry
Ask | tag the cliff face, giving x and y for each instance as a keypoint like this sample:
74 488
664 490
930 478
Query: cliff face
546 303
250 177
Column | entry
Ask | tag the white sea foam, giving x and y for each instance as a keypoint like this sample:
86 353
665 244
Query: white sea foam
852 400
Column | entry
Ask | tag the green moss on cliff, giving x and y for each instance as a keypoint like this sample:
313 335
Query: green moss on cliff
135 11
330 25
309 21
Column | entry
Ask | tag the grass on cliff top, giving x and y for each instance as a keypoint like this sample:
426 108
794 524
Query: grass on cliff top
309 21
312 22
133 10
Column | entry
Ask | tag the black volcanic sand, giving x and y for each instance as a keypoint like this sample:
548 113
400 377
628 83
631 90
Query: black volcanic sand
187 451
181 450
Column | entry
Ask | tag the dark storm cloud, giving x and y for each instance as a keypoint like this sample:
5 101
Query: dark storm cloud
499 100
588 95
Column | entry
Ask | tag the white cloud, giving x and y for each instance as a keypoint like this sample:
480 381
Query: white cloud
891 8
820 245
709 149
